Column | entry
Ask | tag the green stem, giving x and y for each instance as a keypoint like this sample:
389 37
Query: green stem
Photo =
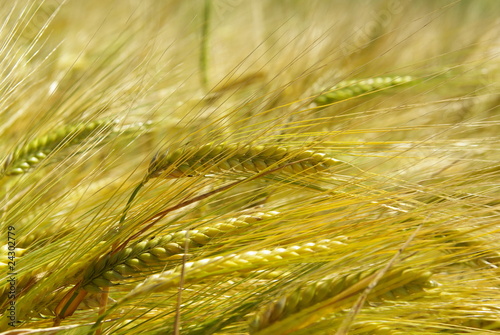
204 44
129 202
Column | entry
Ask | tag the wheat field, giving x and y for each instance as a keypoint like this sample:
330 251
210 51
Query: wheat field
250 167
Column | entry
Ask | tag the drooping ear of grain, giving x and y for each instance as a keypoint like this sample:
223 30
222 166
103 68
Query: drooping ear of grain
28 156
397 284
140 258
239 157
245 261
353 88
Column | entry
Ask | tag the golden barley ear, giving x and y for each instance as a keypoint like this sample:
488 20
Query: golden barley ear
145 256
239 157
239 262
397 284
30 155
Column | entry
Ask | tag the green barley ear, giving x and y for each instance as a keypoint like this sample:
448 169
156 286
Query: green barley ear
353 88
30 155
397 284
240 262
140 258
239 157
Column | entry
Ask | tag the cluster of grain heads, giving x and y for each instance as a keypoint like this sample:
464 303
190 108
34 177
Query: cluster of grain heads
396 284
30 155
238 157
352 88
142 257
240 262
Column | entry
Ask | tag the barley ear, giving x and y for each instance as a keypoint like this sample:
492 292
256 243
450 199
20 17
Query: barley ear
397 284
240 262
241 158
144 256
30 155
352 88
